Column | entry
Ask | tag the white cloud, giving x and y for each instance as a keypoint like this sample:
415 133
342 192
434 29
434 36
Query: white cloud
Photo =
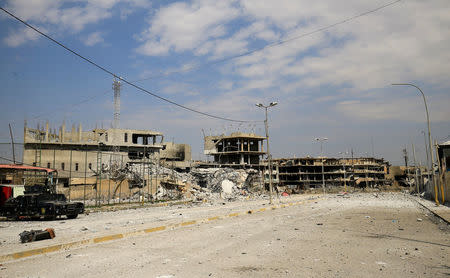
20 36
395 44
186 26
65 16
93 39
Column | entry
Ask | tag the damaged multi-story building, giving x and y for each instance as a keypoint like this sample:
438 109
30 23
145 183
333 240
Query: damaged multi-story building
77 153
303 173
237 150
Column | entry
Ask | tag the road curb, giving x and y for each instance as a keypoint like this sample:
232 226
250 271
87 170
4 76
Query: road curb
135 205
433 212
112 237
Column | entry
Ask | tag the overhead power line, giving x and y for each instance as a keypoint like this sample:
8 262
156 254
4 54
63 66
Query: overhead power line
71 105
273 44
120 78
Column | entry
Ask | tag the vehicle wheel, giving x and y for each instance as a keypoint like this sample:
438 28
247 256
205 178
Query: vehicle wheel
72 216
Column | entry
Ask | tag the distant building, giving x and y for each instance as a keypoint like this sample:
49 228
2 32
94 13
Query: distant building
235 150
303 173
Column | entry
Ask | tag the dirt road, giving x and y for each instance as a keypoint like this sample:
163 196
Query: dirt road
365 235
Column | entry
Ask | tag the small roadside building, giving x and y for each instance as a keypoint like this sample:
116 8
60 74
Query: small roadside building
444 170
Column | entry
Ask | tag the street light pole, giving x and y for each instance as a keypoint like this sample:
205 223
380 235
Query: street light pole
429 137
321 139
269 157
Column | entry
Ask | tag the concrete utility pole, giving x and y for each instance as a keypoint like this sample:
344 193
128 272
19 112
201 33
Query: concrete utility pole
343 167
405 156
321 139
429 138
12 144
415 169
266 124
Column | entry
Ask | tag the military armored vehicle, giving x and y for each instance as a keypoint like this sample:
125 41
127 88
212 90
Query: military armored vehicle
39 200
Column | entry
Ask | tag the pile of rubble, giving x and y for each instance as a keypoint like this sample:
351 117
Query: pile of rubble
226 180
199 183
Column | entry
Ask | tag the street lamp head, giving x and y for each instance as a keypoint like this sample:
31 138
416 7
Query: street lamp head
259 104
273 103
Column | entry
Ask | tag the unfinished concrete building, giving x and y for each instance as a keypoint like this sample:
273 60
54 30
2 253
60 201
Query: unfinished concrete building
303 173
78 153
238 150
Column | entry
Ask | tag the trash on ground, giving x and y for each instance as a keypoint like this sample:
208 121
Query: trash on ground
36 235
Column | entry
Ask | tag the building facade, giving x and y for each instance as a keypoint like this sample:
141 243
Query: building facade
235 150
78 153
303 173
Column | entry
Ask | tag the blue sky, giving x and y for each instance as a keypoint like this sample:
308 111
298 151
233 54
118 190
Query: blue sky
333 84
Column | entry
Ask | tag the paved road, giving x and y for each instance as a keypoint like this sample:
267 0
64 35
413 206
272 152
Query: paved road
362 236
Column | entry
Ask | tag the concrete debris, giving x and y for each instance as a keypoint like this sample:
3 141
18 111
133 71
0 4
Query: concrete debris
36 235
227 186
197 184
226 183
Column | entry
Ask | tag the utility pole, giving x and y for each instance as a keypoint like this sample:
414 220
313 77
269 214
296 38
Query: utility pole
321 139
269 157
353 168
415 169
343 168
405 156
12 144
